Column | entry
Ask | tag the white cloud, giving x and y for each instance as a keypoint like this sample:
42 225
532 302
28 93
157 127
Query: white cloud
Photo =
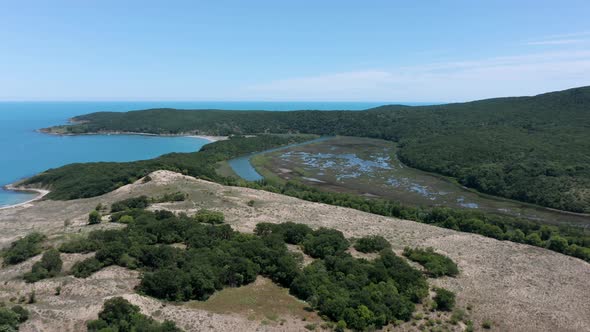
447 81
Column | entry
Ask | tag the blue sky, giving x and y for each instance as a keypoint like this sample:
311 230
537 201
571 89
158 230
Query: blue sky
291 50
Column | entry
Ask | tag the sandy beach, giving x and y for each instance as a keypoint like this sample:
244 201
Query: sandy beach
40 194
205 137
210 138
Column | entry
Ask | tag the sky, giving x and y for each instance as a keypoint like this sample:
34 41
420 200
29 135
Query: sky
304 50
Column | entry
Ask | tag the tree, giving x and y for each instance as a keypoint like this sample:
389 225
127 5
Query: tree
444 299
126 219
557 243
86 267
325 242
94 217
373 243
49 266
534 239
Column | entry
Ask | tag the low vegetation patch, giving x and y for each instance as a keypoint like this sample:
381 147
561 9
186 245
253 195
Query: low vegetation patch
436 265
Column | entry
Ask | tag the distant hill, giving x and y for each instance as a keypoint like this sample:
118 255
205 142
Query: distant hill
533 149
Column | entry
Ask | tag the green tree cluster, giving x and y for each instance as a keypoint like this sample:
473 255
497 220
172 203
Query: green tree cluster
358 293
119 315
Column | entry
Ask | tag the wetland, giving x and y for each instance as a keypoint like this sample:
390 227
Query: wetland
370 167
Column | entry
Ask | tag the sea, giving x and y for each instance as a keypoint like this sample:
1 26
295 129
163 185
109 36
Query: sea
25 152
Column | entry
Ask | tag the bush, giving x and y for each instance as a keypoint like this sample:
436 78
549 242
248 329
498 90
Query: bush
325 242
374 243
209 217
49 266
557 243
171 197
140 202
126 219
78 245
86 267
23 249
9 319
291 232
94 217
120 315
444 299
436 265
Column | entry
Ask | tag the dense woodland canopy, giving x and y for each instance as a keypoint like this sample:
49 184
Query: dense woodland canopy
532 149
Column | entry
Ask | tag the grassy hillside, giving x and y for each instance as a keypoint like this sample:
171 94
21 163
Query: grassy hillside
532 149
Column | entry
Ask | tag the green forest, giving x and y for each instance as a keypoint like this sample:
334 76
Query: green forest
531 149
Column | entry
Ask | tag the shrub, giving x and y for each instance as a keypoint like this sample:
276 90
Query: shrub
78 245
292 233
140 202
49 266
23 249
557 243
325 242
436 265
10 318
23 314
444 299
374 243
171 197
86 267
126 219
94 217
120 315
209 217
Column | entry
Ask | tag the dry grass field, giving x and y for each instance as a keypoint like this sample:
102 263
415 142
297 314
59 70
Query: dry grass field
517 287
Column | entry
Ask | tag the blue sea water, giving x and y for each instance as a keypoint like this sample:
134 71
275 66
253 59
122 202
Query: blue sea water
25 152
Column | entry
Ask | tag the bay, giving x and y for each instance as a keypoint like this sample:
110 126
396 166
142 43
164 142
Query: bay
25 152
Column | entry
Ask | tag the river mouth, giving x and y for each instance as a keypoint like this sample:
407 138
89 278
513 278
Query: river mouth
370 167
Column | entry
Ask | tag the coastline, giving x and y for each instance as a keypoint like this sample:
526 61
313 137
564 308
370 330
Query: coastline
11 187
209 138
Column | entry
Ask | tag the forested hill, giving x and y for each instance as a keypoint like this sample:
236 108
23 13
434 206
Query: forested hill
534 149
